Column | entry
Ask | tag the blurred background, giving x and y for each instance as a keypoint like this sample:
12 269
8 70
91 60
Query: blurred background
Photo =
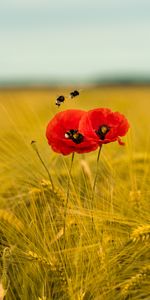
46 42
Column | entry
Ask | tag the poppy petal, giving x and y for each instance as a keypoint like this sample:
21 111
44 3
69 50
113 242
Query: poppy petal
63 133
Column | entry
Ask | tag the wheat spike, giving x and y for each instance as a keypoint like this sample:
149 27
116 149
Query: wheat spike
58 236
10 218
55 191
5 282
41 259
34 191
86 169
141 233
135 280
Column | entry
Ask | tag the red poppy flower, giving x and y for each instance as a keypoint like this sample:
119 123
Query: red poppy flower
63 134
104 126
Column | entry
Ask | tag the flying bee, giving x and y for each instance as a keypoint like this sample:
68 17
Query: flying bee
60 100
74 94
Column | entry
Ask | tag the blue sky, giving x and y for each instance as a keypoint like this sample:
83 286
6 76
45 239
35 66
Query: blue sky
48 40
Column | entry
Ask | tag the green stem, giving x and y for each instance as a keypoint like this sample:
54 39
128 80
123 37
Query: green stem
95 181
96 174
33 144
67 197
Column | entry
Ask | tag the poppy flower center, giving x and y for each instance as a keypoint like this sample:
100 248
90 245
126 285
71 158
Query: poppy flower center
74 135
102 131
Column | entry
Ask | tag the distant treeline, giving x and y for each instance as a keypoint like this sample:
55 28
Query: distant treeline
124 81
102 81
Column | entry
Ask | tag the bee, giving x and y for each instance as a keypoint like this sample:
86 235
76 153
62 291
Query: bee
74 94
59 100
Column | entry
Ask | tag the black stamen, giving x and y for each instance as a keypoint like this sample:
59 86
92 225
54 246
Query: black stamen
77 138
70 133
74 135
102 131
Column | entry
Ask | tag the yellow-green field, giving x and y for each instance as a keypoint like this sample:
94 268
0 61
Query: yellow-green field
106 254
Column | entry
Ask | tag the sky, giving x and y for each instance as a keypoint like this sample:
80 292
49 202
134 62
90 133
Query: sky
74 40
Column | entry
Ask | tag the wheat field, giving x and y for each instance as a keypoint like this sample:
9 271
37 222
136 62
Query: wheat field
106 254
